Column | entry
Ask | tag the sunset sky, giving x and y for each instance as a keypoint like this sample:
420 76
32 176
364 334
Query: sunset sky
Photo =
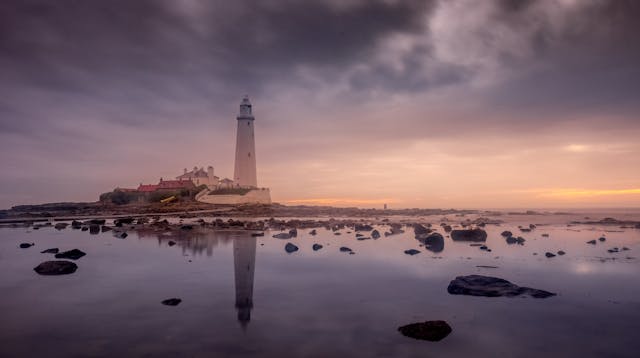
465 104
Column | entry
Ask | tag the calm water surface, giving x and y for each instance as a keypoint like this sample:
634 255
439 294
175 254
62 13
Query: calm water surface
245 296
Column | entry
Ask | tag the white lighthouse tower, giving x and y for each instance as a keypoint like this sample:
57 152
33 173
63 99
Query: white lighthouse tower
245 169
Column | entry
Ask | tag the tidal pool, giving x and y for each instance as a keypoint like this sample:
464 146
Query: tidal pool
245 296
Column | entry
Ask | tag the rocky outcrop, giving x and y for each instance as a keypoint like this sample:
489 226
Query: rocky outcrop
52 268
429 331
486 286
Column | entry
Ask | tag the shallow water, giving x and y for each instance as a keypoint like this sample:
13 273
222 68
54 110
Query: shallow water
245 296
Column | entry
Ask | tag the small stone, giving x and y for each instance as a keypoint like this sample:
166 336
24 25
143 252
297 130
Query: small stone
171 302
548 254
289 248
51 268
432 331
26 245
316 247
602 239
561 252
74 254
50 251
171 243
345 249
313 232
282 235
411 252
592 242
375 234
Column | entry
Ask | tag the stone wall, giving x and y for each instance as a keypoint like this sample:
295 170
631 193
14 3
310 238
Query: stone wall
255 196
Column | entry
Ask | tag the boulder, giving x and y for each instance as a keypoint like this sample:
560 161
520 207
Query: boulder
411 252
50 251
375 234
429 331
507 233
74 254
447 228
120 234
486 286
549 254
289 248
94 229
60 226
469 235
420 230
561 252
171 243
50 268
316 247
282 235
434 242
171 302
26 245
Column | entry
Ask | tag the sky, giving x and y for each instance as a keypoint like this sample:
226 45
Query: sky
439 104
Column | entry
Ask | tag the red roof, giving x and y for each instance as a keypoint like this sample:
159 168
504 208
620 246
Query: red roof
147 188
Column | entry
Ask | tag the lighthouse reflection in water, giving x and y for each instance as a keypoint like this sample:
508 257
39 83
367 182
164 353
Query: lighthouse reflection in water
244 262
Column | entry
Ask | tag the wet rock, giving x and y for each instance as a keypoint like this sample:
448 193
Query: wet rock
282 235
95 222
313 232
420 230
375 234
602 239
411 252
94 229
50 251
515 240
104 228
186 227
26 245
120 234
434 242
345 249
545 235
171 243
624 248
432 331
363 227
122 221
507 233
50 268
74 254
171 302
75 224
447 228
293 233
257 234
484 248
561 253
487 266
592 242
316 247
60 226
549 254
289 248
84 228
361 238
469 235
486 286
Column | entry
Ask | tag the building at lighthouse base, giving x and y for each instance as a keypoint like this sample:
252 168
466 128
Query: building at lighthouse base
235 196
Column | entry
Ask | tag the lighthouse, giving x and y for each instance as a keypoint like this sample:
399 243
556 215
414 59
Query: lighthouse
244 174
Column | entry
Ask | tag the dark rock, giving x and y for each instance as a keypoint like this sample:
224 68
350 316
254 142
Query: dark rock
545 235
289 248
532 226
434 242
561 252
84 228
94 229
95 222
602 239
60 226
120 234
316 247
363 227
432 331
50 251
625 248
411 252
375 234
56 268
313 232
592 242
484 247
420 230
282 235
74 254
469 235
345 249
186 227
361 238
548 254
515 240
121 221
171 302
257 234
75 224
477 285
507 233
447 228
25 245
105 228
171 243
